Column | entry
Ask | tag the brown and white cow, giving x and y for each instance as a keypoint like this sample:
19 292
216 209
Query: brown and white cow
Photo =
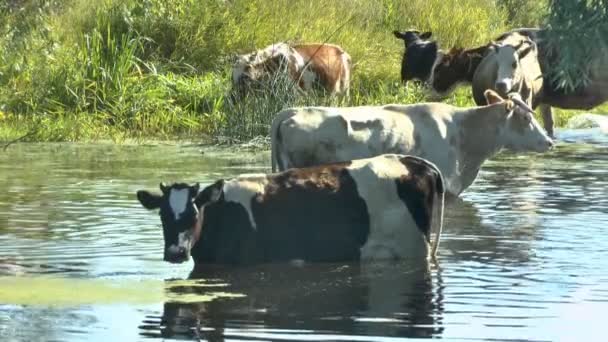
384 207
324 66
457 140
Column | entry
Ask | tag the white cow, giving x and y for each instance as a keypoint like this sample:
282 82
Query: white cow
457 140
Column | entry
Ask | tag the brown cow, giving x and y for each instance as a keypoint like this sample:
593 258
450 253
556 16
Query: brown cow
455 66
325 66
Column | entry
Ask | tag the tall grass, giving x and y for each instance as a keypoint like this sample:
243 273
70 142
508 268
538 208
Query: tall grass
91 69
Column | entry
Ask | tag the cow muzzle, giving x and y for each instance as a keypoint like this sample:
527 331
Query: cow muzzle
503 86
545 145
180 252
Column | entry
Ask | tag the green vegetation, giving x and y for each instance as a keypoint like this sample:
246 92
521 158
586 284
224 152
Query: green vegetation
54 291
116 69
575 24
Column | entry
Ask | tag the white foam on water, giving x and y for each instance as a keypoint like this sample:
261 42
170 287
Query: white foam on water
589 120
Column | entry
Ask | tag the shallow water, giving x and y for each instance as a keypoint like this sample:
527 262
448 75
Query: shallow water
524 256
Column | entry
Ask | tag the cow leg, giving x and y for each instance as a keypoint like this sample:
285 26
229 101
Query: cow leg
547 114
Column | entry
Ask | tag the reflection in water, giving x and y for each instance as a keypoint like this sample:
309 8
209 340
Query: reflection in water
326 299
524 254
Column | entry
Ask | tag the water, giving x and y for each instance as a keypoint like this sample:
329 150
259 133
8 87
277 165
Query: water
524 256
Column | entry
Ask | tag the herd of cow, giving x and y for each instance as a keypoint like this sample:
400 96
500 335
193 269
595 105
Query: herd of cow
369 182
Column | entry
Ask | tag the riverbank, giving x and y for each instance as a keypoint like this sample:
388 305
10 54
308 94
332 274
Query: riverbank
86 127
127 70
88 70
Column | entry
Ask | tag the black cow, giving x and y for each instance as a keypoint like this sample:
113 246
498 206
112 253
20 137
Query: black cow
419 55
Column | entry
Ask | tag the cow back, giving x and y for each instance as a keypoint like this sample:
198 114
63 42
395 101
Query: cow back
329 63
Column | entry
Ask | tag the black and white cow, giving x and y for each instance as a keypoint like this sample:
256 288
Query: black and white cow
377 208
419 55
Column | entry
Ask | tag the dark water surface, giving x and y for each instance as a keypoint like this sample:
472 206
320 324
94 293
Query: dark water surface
524 256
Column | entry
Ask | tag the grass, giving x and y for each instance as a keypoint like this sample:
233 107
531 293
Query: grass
153 69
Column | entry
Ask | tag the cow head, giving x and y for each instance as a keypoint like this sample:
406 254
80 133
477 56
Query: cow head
250 70
521 131
412 36
179 215
509 68
420 55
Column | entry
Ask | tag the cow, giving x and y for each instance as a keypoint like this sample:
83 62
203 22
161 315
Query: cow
457 140
385 207
454 67
444 74
510 66
439 69
586 97
419 54
309 66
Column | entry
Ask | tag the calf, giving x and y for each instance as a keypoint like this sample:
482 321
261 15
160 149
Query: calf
511 66
378 208
419 55
325 66
457 140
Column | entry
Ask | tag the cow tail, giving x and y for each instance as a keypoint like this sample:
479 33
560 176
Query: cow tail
347 71
275 139
438 210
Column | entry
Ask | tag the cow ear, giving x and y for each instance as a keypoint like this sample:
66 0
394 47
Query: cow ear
194 190
149 200
426 35
492 97
163 187
399 35
526 50
493 46
210 194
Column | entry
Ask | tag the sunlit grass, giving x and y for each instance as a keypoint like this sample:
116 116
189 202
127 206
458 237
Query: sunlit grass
122 69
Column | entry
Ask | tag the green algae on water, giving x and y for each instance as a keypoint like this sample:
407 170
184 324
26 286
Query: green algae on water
55 291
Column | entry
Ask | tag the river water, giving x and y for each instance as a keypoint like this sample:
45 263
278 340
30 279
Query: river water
524 256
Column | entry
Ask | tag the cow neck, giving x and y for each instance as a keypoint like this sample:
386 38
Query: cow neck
480 135
472 65
197 230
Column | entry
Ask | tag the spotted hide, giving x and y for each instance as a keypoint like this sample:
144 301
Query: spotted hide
310 66
386 207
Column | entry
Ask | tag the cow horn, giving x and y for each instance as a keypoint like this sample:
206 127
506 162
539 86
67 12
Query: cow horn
163 187
521 103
